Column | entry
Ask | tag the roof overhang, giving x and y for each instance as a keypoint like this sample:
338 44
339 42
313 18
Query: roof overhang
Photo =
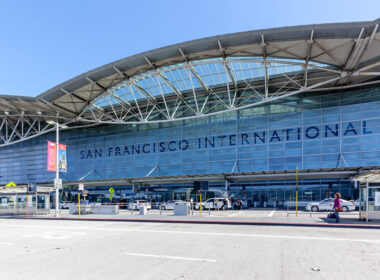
372 176
349 51
303 174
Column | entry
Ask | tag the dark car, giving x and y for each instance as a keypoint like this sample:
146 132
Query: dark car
123 203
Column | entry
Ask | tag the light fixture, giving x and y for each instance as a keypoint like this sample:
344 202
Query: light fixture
51 122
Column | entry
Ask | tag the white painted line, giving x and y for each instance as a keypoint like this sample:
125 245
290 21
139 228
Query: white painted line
55 234
237 213
169 257
102 224
205 233
272 213
5 244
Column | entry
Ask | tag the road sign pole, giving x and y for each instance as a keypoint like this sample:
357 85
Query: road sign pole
27 200
200 204
297 192
79 204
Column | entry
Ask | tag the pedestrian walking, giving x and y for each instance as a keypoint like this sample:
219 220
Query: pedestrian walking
337 206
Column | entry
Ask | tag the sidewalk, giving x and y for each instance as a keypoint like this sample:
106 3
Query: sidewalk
350 220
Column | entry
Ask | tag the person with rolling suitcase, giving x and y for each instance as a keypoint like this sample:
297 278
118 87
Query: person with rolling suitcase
337 206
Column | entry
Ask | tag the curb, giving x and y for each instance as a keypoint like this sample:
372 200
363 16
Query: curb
364 226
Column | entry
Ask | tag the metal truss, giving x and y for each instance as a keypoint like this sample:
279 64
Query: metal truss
18 128
196 89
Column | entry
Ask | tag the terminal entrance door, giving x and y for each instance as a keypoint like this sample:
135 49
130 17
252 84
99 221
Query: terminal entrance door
260 198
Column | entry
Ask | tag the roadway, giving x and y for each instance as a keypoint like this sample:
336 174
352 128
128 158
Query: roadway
39 249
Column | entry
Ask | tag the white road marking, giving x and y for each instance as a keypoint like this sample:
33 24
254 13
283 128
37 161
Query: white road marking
206 233
254 235
102 224
237 213
55 234
169 257
5 244
272 213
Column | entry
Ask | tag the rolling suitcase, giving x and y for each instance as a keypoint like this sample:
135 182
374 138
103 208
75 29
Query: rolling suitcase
331 216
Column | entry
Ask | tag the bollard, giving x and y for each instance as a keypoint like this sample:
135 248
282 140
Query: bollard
160 211
131 210
209 213
287 211
310 212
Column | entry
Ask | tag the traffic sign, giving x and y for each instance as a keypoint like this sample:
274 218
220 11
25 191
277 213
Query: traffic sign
58 183
10 184
111 190
81 187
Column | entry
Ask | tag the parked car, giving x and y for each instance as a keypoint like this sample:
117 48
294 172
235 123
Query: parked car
123 203
215 203
136 204
169 205
357 202
327 205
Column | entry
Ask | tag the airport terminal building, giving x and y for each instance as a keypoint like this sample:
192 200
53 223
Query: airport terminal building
240 111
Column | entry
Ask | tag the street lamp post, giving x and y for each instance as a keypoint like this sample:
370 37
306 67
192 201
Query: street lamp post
57 170
57 125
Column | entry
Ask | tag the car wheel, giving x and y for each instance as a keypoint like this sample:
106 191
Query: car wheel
345 209
314 209
163 208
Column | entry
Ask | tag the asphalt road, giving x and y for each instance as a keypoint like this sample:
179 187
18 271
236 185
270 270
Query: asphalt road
34 249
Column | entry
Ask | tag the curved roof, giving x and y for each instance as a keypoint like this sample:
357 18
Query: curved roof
210 76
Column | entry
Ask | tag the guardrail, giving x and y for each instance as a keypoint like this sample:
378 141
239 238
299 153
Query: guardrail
310 212
21 208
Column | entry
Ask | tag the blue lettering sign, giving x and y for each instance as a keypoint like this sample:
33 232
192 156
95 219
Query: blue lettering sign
310 132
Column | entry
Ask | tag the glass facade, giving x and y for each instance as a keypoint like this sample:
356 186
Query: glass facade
311 130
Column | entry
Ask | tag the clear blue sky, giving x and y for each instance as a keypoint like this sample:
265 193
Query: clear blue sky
45 43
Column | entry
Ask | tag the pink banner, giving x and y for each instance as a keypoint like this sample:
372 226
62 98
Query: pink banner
52 156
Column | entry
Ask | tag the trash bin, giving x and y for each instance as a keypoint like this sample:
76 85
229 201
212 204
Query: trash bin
143 210
181 208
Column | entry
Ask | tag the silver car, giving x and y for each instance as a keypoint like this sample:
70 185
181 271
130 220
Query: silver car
328 204
169 205
136 204
215 203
